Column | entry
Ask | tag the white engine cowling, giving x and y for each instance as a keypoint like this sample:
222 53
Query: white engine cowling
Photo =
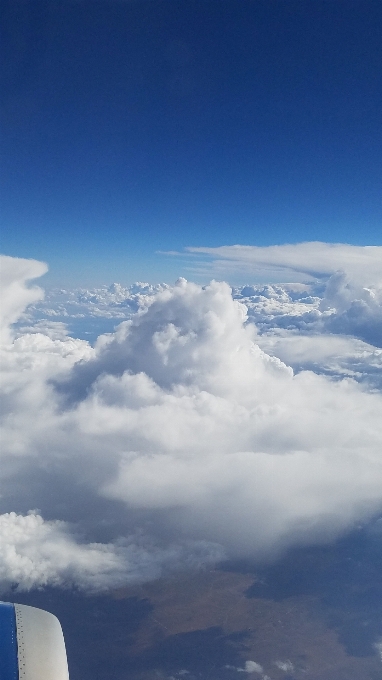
32 645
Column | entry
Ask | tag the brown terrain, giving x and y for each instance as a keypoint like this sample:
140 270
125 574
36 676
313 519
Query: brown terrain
288 638
316 614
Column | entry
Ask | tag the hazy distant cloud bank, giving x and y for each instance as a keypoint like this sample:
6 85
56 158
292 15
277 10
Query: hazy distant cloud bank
211 423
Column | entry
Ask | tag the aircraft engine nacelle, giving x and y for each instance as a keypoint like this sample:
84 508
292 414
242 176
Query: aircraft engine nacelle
32 645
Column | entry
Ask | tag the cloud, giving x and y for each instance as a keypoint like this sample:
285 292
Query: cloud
337 299
252 667
179 429
15 295
330 354
285 666
302 261
355 309
351 303
36 553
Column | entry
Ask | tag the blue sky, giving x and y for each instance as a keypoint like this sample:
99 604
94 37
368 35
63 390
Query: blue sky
136 127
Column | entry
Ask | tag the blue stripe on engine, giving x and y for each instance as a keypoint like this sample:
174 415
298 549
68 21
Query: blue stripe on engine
9 666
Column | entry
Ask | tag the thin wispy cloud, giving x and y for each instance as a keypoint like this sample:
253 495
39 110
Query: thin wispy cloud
302 261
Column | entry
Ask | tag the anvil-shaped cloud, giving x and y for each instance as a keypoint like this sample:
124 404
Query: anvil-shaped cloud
175 441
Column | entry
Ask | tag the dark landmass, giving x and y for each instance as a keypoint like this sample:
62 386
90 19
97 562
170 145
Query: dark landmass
316 614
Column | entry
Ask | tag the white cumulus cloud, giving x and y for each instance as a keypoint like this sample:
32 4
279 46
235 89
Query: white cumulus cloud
15 295
180 429
37 553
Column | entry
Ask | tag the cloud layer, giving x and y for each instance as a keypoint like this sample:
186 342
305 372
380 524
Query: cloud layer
186 436
303 261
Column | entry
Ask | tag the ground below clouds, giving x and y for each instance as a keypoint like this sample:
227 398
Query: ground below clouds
310 616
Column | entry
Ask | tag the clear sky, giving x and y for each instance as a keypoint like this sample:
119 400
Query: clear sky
135 127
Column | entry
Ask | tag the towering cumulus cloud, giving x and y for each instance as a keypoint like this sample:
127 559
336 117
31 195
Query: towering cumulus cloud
174 442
